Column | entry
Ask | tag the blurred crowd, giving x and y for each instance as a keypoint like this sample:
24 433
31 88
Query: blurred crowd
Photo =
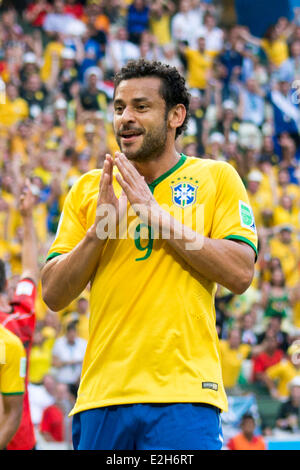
57 61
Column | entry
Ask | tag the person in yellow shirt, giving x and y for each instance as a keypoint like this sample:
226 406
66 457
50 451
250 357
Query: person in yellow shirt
260 200
233 353
199 64
12 384
15 108
274 44
286 213
284 186
40 356
160 19
282 373
83 318
285 247
153 338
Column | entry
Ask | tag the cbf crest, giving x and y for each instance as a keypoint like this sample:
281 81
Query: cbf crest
184 193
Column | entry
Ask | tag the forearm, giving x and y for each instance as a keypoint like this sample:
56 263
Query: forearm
29 250
8 427
66 276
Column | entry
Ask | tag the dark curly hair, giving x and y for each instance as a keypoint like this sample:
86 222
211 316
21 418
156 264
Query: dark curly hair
173 89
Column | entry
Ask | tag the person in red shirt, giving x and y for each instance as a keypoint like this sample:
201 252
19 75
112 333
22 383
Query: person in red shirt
36 12
246 439
74 8
18 314
271 355
52 426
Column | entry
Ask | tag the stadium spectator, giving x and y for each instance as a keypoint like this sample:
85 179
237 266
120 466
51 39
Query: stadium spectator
40 397
53 422
247 439
270 355
12 384
233 353
279 375
18 315
288 418
138 16
67 356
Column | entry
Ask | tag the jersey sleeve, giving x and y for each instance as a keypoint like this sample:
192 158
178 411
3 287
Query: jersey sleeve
71 228
12 366
233 217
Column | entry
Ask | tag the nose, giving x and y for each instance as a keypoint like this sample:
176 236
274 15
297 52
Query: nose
127 115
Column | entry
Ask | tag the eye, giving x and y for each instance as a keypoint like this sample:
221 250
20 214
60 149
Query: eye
118 109
142 107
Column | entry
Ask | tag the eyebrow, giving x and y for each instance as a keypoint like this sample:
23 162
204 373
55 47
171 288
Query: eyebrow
134 100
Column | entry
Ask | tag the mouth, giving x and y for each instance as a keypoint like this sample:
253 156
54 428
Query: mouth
130 135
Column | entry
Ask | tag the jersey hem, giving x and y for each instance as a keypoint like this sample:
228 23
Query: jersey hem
132 401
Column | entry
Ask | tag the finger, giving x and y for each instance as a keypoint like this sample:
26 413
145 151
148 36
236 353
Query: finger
105 171
110 161
128 165
124 185
103 193
124 172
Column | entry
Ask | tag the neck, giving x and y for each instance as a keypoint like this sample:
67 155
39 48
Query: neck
248 436
153 169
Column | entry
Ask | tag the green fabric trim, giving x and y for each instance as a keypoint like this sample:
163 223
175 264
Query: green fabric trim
167 173
53 255
243 239
15 393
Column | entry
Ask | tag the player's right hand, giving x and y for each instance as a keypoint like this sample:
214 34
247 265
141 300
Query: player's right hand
110 209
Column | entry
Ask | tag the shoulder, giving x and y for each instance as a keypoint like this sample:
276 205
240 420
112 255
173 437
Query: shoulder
11 341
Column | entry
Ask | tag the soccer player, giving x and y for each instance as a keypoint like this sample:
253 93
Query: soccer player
12 384
151 376
18 315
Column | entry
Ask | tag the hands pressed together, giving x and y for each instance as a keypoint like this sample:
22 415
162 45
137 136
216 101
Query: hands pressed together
135 190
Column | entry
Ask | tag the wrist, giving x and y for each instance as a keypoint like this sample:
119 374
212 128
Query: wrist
93 236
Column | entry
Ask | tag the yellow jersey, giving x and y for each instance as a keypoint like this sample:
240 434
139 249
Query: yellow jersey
232 360
12 363
282 373
152 332
198 65
276 51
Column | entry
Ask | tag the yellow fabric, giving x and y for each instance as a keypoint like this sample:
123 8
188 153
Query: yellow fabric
282 373
160 28
12 363
276 51
52 47
40 360
232 360
289 256
154 339
198 65
11 112
83 327
291 190
281 216
259 201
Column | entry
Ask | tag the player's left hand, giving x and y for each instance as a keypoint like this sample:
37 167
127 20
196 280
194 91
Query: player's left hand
135 187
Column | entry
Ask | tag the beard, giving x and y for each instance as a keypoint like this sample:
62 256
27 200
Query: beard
153 144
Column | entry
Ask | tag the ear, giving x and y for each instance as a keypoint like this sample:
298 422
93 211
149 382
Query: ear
176 116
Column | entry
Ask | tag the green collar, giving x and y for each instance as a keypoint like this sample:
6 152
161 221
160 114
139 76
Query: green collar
162 177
